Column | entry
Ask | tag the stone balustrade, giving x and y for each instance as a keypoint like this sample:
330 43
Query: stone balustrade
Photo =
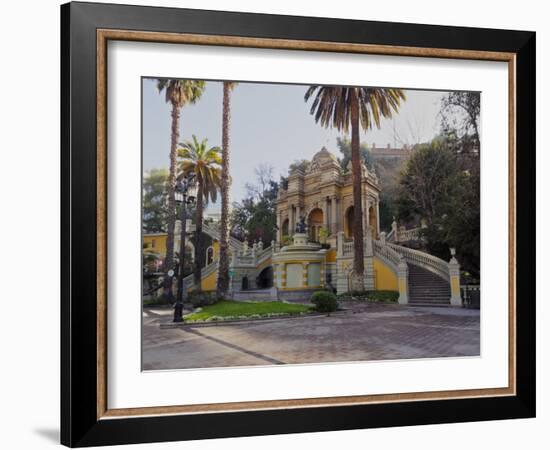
425 260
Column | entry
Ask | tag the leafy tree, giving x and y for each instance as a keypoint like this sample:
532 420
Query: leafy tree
344 145
460 116
255 217
223 270
205 163
434 186
348 108
155 201
178 93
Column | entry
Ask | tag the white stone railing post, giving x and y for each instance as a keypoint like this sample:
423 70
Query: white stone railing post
454 275
340 244
403 282
383 238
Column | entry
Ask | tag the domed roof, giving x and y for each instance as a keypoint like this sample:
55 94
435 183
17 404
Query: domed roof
324 155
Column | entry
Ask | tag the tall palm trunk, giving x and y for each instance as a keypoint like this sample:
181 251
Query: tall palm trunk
169 261
358 265
199 251
223 268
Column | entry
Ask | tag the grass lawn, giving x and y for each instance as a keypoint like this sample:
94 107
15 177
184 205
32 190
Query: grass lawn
228 309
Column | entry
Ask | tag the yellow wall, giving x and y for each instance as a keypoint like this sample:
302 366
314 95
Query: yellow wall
346 190
331 256
209 283
386 279
160 243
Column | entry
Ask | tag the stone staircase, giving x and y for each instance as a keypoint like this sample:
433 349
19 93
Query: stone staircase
427 288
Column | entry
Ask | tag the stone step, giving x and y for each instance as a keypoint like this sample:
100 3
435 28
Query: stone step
427 288
429 299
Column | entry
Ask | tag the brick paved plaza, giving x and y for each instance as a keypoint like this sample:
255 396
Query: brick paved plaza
363 333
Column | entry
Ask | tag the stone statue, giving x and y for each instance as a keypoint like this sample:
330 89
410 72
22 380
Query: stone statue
301 225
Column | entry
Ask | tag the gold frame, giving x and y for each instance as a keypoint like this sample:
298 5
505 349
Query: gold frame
104 35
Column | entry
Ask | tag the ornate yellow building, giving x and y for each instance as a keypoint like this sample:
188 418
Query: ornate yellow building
323 195
319 252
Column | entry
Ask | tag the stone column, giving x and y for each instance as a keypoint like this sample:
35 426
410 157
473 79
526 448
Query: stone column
291 223
366 218
298 215
340 244
334 215
454 272
279 233
325 215
282 270
368 242
376 208
322 275
403 282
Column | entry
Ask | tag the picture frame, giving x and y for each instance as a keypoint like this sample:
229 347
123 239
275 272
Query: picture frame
86 419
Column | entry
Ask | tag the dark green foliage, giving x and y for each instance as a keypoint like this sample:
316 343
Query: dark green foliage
324 301
155 201
441 186
371 296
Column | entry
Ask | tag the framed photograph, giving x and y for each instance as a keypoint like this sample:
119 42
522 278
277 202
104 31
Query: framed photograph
276 224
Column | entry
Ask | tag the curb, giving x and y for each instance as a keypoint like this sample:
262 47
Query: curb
217 323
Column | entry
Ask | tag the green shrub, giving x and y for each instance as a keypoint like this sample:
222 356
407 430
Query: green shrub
371 296
383 296
324 301
202 298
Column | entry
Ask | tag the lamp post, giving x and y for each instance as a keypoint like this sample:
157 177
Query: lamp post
185 195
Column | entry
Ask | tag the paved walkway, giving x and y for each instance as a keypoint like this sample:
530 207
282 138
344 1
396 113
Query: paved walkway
364 333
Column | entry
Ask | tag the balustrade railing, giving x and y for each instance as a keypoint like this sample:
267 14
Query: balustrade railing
387 253
425 260
408 235
348 248
189 280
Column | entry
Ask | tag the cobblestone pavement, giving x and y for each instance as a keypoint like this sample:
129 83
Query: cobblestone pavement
363 333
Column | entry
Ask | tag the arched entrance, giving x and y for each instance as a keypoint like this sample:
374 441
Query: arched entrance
284 229
348 225
315 223
265 278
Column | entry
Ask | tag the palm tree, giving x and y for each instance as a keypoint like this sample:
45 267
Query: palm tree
223 269
178 93
345 108
205 162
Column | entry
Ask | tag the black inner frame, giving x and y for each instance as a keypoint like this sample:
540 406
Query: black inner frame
79 424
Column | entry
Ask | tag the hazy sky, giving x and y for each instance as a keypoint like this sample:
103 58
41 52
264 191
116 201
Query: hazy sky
271 124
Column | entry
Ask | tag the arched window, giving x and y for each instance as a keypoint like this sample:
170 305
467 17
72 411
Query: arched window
209 256
315 222
284 229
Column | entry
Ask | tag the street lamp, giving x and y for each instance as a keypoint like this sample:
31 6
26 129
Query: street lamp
186 193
